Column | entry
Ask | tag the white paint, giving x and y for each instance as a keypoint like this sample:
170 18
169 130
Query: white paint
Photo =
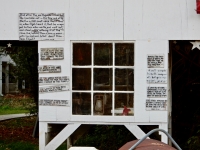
136 131
62 136
196 44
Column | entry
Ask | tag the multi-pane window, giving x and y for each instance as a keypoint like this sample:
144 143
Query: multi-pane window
103 78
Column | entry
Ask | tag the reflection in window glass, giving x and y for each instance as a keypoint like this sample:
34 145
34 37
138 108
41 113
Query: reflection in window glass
124 79
102 104
103 54
124 55
82 54
102 79
81 104
81 79
124 104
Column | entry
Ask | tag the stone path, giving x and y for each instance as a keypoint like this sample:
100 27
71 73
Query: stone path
11 116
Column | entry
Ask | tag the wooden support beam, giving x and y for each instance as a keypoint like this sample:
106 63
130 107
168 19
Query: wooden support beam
136 131
62 136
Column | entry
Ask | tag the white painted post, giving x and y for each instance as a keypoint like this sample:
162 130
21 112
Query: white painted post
164 137
42 136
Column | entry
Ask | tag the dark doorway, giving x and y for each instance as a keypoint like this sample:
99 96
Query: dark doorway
185 91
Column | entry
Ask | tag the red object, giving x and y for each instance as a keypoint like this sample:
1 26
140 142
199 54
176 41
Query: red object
147 144
125 111
198 6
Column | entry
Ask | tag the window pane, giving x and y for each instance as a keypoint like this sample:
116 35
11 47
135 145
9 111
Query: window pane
103 54
102 104
102 79
81 103
82 54
124 54
81 79
124 104
124 79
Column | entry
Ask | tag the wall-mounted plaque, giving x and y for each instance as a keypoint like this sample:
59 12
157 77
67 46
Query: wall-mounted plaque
52 53
55 88
156 75
41 26
49 69
54 80
50 102
155 61
153 104
157 92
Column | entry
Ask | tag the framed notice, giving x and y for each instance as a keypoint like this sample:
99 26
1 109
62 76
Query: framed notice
52 53
156 75
53 88
155 61
41 26
54 80
157 92
155 104
49 69
50 102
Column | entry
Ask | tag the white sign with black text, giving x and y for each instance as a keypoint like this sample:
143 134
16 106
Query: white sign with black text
155 61
52 53
155 104
41 26
157 92
156 75
53 88
50 102
49 69
54 80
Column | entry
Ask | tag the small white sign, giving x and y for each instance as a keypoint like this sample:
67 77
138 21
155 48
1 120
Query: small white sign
49 102
41 26
54 80
157 92
153 104
52 53
156 75
49 69
55 88
155 61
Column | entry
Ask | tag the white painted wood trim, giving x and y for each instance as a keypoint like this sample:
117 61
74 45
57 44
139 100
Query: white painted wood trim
62 136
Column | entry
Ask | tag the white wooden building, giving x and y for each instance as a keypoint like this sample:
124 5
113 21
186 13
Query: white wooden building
101 61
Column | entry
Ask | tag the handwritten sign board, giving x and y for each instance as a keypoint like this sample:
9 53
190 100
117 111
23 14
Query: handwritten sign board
52 53
156 75
152 104
49 69
155 61
54 80
54 88
41 26
49 102
157 92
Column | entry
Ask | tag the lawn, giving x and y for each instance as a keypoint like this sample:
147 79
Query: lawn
16 105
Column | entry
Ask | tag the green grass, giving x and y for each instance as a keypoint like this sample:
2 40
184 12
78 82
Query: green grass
18 146
16 105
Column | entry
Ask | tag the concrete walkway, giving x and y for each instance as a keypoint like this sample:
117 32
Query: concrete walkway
11 116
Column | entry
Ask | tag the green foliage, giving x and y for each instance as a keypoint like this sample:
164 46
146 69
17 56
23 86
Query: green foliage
106 137
26 59
15 106
17 146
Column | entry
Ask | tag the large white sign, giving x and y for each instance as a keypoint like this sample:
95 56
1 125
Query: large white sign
153 104
156 75
155 61
54 80
41 26
49 69
50 102
54 88
157 92
52 53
